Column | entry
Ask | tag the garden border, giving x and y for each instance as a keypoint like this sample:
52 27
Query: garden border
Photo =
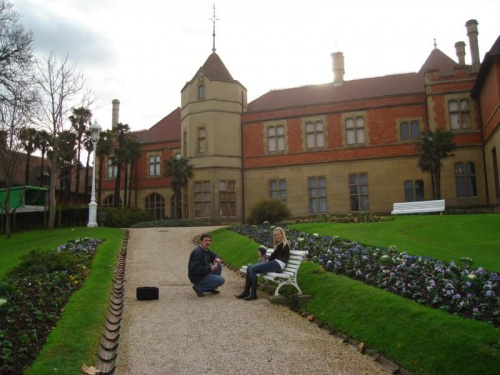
108 348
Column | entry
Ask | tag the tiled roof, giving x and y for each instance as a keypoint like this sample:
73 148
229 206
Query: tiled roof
215 69
489 59
167 129
439 61
350 90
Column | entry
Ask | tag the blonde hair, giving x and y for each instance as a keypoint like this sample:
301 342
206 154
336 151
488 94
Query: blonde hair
283 236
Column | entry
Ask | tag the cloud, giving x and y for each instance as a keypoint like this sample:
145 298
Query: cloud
63 35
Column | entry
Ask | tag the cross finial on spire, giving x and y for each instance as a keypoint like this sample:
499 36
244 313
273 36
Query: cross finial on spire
213 33
435 44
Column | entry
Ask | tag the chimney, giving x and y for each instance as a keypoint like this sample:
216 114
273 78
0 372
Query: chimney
472 32
460 50
115 114
338 68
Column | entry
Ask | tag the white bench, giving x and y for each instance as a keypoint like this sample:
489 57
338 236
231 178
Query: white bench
418 207
289 275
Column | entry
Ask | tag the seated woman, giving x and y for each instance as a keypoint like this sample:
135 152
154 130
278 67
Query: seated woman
276 263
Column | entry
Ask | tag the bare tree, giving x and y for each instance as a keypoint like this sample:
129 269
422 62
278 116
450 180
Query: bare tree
16 55
13 119
59 82
18 96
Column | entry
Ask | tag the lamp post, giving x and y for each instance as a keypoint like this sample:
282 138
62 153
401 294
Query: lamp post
95 129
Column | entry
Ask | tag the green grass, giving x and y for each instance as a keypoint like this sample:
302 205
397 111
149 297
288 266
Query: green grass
446 237
420 339
75 340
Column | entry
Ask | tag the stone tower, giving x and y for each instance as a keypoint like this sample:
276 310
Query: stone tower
211 107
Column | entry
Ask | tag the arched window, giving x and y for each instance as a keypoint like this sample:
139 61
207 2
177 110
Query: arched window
201 92
155 206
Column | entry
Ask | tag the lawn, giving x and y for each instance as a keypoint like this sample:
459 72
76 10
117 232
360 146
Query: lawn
75 339
420 339
445 237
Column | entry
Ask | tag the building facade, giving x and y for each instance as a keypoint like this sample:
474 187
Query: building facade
337 148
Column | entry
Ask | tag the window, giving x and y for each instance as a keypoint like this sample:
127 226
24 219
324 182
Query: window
276 138
227 198
277 189
460 117
154 165
355 130
409 130
202 140
112 169
201 92
358 190
202 199
465 175
317 195
108 201
155 206
495 171
414 190
315 136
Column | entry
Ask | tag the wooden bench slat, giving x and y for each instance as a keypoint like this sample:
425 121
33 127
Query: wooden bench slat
418 207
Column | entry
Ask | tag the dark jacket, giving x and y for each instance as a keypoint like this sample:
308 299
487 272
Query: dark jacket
199 263
281 253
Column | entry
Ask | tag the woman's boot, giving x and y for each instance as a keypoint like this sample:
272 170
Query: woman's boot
253 290
246 291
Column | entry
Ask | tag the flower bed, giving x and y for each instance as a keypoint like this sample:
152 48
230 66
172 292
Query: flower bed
457 288
33 295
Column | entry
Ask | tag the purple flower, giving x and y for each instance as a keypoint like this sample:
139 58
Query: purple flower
490 293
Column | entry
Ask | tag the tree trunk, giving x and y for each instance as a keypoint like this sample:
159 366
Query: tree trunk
99 185
116 202
27 170
132 164
437 171
52 194
125 183
68 184
86 187
8 223
77 182
41 169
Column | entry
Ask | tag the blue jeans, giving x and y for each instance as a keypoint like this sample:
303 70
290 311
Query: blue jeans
211 281
253 270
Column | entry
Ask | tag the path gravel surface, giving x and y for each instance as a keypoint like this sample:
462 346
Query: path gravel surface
181 333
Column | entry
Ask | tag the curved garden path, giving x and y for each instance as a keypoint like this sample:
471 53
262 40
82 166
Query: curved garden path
181 333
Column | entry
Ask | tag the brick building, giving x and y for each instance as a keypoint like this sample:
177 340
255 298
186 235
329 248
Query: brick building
335 148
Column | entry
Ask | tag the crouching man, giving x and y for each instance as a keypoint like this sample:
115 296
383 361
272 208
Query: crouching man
204 268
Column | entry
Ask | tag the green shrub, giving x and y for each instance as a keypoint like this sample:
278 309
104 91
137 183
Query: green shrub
271 210
45 261
121 217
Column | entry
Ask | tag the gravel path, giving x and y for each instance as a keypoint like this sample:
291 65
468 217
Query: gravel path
183 334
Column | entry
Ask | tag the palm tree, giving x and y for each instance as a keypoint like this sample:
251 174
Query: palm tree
121 132
79 120
132 153
435 147
104 149
66 158
43 144
89 147
28 137
180 171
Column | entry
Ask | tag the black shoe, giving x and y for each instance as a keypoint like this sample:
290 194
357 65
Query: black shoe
251 297
198 293
242 295
215 291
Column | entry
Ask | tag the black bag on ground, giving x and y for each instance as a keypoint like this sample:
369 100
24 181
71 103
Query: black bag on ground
147 293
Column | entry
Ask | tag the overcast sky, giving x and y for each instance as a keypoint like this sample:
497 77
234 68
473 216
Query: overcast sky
143 52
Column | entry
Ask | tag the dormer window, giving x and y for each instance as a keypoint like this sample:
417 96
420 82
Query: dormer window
201 92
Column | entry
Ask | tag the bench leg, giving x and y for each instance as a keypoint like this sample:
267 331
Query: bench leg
287 282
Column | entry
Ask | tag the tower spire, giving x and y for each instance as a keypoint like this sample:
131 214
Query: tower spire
213 33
